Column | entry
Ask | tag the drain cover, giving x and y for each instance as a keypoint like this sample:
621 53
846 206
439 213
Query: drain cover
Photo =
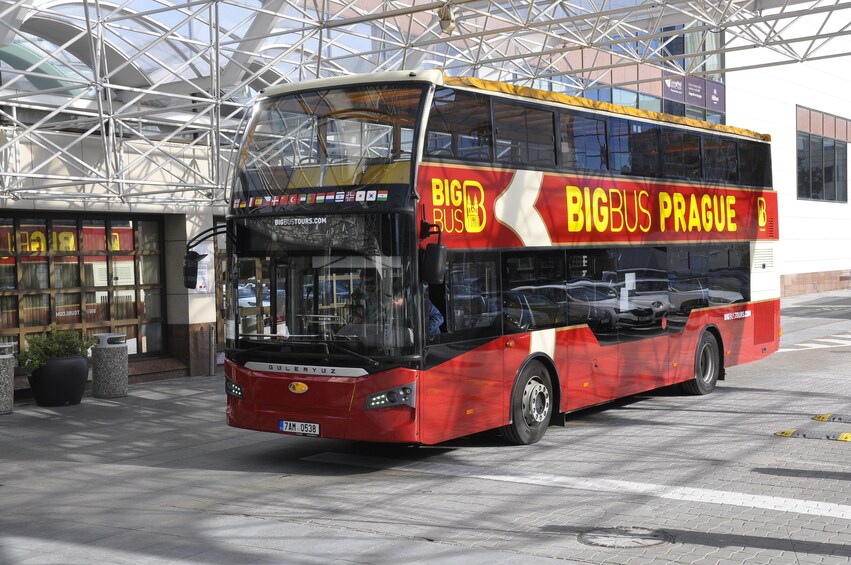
625 537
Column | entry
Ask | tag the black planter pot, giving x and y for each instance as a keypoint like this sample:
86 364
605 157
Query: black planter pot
60 382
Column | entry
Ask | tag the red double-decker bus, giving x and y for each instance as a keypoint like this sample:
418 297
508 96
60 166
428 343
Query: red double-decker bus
416 258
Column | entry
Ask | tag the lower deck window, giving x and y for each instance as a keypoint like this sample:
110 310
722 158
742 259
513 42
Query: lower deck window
621 293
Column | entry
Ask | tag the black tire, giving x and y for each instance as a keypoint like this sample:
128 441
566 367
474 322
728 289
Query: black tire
707 366
531 406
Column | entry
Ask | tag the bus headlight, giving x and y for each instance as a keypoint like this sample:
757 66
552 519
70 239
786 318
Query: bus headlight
401 395
233 389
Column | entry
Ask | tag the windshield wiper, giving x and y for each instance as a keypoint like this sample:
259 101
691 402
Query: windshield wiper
280 344
355 354
257 346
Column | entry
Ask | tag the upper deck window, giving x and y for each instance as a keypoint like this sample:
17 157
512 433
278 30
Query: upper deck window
486 128
720 159
681 154
341 137
459 126
634 147
524 135
754 164
583 142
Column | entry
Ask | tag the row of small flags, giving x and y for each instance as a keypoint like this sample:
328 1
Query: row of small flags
313 198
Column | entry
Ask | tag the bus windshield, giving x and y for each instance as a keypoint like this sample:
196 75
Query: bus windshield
338 286
350 137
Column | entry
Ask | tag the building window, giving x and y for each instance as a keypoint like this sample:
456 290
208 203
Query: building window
600 94
94 275
822 151
649 103
624 97
822 168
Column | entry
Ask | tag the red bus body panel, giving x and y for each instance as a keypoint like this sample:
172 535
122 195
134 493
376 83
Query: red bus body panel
464 395
336 403
471 392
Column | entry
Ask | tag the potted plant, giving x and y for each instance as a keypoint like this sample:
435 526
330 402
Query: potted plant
57 366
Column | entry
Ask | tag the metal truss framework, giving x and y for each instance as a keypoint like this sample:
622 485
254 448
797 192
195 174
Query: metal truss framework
139 102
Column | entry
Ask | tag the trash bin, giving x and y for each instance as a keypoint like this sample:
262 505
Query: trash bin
7 377
109 366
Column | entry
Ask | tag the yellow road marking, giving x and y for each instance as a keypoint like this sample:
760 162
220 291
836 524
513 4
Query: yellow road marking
845 436
832 418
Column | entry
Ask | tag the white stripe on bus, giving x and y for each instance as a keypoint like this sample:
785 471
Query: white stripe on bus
515 208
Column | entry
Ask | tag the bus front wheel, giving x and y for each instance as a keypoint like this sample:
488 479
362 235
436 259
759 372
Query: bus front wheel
707 366
531 405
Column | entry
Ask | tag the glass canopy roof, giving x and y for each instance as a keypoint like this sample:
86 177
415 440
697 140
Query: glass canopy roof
158 87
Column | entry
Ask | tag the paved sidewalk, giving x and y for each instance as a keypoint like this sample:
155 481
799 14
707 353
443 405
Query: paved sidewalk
136 480
157 477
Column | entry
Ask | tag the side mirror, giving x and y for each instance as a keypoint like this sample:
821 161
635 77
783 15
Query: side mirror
434 263
190 269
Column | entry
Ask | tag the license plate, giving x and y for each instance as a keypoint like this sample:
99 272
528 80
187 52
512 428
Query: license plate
300 428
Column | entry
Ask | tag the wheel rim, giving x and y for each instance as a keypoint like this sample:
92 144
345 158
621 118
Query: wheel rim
536 402
706 363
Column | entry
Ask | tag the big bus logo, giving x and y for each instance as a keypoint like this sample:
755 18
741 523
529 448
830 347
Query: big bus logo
762 215
458 206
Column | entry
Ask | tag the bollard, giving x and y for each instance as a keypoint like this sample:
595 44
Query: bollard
109 366
7 377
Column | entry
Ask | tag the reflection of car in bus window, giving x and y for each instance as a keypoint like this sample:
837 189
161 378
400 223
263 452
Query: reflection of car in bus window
524 310
471 309
591 303
723 291
599 305
247 297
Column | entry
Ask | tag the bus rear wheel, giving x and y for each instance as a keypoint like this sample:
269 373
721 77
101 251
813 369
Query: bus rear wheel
531 405
707 366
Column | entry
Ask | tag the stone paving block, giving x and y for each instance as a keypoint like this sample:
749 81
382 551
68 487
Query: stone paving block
180 466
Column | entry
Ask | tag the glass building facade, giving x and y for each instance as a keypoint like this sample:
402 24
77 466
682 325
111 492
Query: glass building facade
95 274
